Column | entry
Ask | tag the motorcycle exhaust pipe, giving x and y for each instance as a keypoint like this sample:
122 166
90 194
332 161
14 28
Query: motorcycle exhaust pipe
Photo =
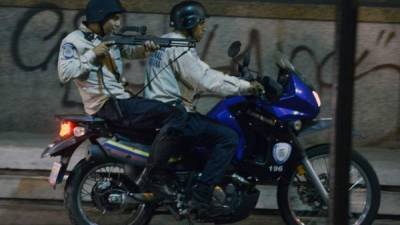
130 199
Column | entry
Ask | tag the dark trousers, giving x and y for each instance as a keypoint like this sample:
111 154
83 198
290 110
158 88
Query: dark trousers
146 114
176 125
221 139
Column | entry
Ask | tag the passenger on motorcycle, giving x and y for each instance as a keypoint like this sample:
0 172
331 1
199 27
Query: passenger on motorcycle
176 81
96 69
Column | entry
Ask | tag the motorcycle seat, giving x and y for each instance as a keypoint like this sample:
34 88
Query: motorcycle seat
79 118
141 136
133 135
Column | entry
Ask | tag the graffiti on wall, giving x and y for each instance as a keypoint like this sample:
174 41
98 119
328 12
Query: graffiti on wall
253 44
364 68
55 33
382 41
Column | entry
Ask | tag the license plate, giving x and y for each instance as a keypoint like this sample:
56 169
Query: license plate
55 170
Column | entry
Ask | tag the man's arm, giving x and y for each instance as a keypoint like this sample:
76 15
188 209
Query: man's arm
198 73
133 52
71 65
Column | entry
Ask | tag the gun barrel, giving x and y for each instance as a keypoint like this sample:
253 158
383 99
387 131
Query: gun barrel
141 39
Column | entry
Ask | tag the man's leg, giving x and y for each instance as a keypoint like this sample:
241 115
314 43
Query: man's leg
223 141
145 114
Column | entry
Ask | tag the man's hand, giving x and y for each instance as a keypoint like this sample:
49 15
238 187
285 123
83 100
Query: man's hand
256 88
101 49
150 46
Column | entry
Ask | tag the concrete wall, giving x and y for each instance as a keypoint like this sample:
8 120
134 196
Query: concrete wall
31 93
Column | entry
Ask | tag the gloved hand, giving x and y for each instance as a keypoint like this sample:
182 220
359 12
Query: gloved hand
101 49
150 46
256 88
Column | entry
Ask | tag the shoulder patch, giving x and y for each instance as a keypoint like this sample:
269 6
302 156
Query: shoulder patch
68 50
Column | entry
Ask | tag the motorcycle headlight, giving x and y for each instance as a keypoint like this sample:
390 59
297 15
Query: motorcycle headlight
316 96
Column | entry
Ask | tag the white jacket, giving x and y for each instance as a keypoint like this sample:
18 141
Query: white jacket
186 77
77 62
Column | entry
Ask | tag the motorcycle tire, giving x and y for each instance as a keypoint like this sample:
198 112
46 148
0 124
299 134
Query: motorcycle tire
71 196
283 199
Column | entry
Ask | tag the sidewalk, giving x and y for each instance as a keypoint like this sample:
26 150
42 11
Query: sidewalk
22 152
55 214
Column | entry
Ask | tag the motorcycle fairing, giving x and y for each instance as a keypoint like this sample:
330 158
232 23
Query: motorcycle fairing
221 113
296 103
316 125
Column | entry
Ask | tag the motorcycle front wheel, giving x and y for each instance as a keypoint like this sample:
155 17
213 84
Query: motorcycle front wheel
300 203
94 195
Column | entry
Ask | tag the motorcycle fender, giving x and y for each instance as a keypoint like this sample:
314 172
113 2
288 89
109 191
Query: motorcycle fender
317 126
63 147
325 123
96 153
297 166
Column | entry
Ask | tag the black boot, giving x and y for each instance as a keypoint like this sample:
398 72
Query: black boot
154 187
201 196
154 179
160 183
202 205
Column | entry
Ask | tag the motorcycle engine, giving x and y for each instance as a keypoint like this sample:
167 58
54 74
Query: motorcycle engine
241 197
225 195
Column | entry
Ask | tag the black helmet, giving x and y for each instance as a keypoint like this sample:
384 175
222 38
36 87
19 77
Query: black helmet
186 15
97 11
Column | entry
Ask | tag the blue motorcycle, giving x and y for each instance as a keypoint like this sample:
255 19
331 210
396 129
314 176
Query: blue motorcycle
102 188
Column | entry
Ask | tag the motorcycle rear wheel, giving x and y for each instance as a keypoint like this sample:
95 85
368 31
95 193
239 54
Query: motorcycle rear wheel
85 207
300 204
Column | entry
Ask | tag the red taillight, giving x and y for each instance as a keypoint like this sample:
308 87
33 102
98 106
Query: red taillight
66 129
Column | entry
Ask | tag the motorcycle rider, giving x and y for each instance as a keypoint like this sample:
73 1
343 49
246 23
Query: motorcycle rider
96 68
178 83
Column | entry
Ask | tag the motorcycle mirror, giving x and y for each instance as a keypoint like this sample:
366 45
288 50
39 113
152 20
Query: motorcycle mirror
282 61
234 49
246 59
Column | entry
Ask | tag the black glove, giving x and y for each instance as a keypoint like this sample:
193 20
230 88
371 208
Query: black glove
256 88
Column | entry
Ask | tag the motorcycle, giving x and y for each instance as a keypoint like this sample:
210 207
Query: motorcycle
101 188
